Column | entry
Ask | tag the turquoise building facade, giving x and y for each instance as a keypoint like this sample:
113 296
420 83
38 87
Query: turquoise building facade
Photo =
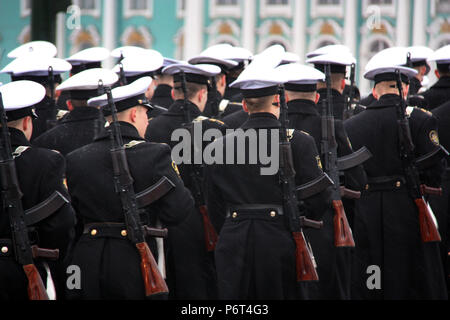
182 28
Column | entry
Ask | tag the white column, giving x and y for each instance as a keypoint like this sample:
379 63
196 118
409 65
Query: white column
193 28
299 29
403 23
351 25
249 25
420 23
109 28
61 34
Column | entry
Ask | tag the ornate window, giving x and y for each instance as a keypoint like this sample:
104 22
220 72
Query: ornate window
271 8
89 7
229 8
440 7
138 8
322 8
139 37
377 8
84 38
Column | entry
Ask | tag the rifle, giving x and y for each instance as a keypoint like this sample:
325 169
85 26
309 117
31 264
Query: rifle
123 181
194 173
12 204
348 113
305 264
342 232
428 229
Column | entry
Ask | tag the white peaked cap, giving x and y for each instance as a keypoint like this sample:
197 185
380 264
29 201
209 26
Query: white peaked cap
89 80
44 48
290 57
134 89
90 55
142 62
215 55
419 53
441 56
338 58
126 51
388 61
21 94
207 70
37 65
334 48
300 74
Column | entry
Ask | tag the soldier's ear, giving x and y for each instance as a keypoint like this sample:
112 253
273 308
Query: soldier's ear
343 84
375 94
317 97
244 106
437 74
69 105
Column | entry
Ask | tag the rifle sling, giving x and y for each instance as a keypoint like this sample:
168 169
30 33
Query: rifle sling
45 209
431 158
354 159
314 187
154 192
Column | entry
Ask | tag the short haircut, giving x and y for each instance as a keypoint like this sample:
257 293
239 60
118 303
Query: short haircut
191 89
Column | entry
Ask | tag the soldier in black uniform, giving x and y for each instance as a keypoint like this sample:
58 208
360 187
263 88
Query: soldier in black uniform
439 93
418 61
334 264
339 62
191 273
40 173
37 68
163 86
108 261
255 254
80 126
391 260
83 60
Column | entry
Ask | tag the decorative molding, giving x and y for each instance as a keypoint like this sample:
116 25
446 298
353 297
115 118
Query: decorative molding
179 40
326 27
224 27
327 10
274 27
230 10
140 36
267 41
96 12
87 35
319 41
385 9
25 35
180 10
275 10
25 8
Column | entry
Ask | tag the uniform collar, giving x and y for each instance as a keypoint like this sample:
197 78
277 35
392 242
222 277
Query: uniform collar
163 90
127 130
302 106
82 113
261 120
177 109
337 96
443 82
18 138
46 103
388 100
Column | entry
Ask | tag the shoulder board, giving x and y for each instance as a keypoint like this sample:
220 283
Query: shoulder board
304 132
61 114
18 152
409 111
200 119
290 133
223 105
426 111
132 144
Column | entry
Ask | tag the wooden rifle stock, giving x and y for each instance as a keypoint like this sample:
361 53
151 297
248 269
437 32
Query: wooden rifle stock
426 190
153 280
342 233
306 269
210 233
36 288
428 230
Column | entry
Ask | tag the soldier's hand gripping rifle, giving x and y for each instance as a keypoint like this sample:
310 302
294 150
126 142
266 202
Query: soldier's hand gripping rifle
428 229
123 183
305 263
342 232
12 205
195 176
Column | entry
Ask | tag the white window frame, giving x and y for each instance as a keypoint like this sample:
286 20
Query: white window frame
433 8
127 12
216 10
24 11
180 11
318 10
96 12
270 10
389 10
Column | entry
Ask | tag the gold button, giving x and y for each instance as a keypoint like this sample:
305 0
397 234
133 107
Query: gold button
234 215
273 214
4 249
124 233
398 184
93 232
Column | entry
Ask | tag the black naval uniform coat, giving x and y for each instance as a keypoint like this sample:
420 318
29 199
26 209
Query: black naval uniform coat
109 262
236 119
163 96
46 112
441 205
191 272
333 263
255 254
40 173
438 94
77 129
338 102
386 224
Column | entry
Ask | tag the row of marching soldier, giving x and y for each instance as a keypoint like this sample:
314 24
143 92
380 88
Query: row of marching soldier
97 205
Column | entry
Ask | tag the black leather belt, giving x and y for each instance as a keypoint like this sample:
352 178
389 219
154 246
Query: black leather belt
6 248
106 230
254 211
387 183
